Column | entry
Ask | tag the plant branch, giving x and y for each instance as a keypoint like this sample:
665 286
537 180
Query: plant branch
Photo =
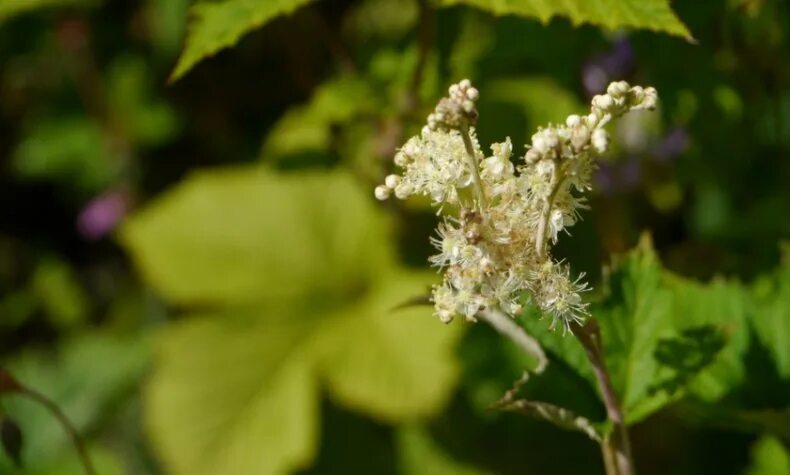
545 214
72 432
509 328
616 447
470 154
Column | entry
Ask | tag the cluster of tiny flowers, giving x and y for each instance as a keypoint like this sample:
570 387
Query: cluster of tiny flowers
501 217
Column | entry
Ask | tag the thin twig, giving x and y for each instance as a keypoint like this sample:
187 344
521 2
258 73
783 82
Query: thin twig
72 432
617 447
509 328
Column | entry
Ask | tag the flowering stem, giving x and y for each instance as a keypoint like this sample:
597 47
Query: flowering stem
509 328
616 447
545 215
470 153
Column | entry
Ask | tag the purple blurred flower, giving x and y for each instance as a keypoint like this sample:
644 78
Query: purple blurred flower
611 178
673 144
102 214
599 71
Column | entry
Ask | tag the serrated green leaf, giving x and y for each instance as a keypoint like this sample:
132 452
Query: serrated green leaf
644 316
232 397
11 8
770 317
220 24
722 304
405 367
653 15
769 457
244 235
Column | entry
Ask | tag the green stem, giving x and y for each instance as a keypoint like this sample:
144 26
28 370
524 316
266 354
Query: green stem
617 446
72 432
472 157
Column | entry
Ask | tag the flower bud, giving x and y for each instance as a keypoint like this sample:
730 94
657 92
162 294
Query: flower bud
392 181
600 140
382 192
617 89
573 121
602 102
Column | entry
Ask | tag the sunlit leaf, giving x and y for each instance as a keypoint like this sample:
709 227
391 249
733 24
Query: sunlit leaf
231 397
304 291
404 368
769 457
653 15
247 235
219 24
771 317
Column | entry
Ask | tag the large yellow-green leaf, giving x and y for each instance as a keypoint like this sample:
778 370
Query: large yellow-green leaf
215 25
653 15
302 289
229 396
245 234
392 364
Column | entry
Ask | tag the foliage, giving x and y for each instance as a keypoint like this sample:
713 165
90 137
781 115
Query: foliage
651 14
277 340
196 273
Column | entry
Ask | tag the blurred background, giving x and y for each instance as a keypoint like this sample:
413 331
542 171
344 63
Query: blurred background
196 272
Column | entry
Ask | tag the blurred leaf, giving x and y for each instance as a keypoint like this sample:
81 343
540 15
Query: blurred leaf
306 256
229 397
403 369
104 461
87 376
144 119
167 20
771 317
11 436
247 235
653 15
769 457
59 293
215 25
11 8
309 127
389 19
420 455
542 100
70 149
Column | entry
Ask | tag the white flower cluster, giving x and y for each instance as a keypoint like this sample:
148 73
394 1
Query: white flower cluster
499 217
